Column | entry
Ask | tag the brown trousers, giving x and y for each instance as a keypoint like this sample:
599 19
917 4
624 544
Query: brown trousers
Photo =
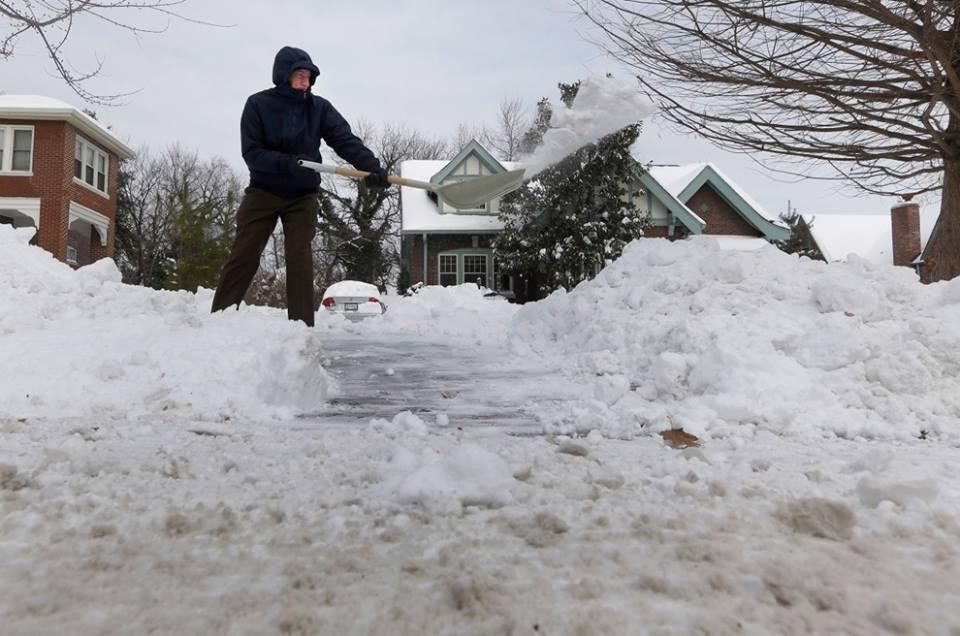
256 218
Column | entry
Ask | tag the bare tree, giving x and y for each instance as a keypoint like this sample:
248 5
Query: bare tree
53 22
175 218
507 134
465 133
143 227
359 229
870 87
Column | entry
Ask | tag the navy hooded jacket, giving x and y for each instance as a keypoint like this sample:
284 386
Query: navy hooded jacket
281 124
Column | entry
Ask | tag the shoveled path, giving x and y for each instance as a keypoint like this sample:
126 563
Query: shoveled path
473 385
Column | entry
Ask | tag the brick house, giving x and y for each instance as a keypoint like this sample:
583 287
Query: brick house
456 247
58 174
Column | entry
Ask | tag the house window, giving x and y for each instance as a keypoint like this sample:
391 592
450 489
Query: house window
475 269
16 148
71 255
90 165
448 269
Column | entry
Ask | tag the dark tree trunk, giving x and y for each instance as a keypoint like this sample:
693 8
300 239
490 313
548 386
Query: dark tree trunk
943 256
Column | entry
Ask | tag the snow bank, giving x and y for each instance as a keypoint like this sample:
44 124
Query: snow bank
688 335
603 106
80 343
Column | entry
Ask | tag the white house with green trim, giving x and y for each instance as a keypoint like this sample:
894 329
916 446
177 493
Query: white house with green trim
442 245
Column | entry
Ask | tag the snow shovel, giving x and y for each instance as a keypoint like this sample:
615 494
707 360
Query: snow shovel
464 195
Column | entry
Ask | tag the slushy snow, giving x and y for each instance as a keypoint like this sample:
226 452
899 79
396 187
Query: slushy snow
168 471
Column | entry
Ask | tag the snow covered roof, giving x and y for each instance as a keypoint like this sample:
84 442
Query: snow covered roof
733 243
38 107
683 181
675 178
420 212
868 236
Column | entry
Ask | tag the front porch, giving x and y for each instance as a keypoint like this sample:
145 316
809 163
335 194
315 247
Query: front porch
454 259
20 212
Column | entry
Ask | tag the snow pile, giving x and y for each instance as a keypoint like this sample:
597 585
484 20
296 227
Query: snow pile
603 106
467 475
80 343
688 335
461 311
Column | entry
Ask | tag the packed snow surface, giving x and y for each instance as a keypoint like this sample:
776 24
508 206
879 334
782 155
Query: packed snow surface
168 471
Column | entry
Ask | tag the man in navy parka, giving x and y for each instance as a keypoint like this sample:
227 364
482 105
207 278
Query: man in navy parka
280 126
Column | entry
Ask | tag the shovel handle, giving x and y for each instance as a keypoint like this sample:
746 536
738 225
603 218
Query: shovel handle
360 174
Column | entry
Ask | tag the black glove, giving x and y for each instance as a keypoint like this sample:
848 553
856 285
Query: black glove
377 179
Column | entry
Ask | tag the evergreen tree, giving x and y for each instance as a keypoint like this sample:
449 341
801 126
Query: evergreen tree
801 240
577 215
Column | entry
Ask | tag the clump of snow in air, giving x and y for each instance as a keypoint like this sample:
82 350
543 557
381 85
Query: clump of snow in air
603 106
168 471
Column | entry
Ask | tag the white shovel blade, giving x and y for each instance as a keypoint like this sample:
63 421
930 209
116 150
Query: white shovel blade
470 193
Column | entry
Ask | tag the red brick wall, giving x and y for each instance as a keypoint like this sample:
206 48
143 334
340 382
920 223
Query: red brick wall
48 182
656 231
720 217
905 226
52 181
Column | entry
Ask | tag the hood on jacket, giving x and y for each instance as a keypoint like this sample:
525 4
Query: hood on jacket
288 60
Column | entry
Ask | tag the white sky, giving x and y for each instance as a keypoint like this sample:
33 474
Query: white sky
429 64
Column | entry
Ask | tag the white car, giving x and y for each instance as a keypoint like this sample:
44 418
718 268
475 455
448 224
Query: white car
353 299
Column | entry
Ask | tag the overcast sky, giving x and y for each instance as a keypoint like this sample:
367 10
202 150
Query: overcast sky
426 63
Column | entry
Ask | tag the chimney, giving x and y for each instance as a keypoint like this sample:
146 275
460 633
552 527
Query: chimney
905 225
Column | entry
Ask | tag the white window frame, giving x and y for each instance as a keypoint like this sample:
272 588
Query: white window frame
71 255
456 264
84 147
486 266
6 166
461 272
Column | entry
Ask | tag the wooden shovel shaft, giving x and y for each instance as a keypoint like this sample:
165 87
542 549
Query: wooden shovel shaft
360 174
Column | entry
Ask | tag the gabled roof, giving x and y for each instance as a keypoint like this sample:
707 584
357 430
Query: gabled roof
682 182
676 207
472 148
868 236
38 107
420 214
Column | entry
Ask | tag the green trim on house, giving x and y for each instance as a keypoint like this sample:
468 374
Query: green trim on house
679 211
770 230
472 148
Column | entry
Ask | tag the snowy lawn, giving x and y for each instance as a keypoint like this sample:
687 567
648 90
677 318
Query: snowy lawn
155 476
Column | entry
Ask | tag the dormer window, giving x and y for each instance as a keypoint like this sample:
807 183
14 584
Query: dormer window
90 165
16 149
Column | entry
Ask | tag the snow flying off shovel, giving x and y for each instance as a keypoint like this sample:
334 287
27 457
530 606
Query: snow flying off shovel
465 194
